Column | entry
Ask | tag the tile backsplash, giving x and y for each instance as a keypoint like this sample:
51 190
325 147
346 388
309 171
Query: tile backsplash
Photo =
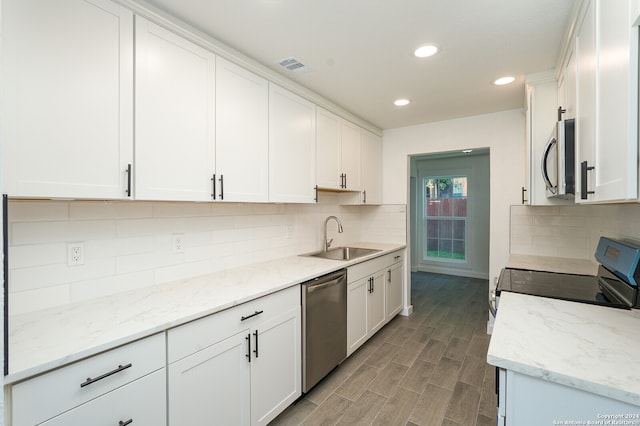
570 231
127 245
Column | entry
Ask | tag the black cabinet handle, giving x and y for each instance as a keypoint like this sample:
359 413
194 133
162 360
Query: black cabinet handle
213 179
315 188
396 257
128 180
256 349
584 168
389 272
221 187
523 199
251 316
105 375
345 181
248 339
364 197
128 422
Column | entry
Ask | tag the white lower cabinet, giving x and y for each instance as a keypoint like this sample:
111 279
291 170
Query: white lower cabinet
141 402
104 389
240 366
373 288
530 401
393 289
213 383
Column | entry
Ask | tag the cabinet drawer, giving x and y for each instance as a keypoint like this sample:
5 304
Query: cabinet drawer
45 396
141 402
199 334
364 269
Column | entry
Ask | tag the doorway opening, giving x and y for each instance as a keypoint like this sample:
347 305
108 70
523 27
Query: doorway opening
449 213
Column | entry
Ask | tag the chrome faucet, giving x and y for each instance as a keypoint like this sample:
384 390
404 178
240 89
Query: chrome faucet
327 243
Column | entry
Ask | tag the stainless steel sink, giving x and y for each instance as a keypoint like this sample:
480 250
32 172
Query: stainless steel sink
343 253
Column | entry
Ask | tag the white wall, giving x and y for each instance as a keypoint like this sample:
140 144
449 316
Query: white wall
477 168
502 132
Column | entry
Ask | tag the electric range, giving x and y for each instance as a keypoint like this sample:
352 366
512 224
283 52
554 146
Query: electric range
616 284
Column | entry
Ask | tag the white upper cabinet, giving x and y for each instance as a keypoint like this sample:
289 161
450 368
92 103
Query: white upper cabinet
328 149
371 168
292 147
607 96
67 102
351 156
338 152
242 144
175 116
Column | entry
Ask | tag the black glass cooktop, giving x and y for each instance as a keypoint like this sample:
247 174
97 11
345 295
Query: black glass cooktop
577 288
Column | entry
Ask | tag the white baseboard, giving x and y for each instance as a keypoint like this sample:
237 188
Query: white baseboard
407 311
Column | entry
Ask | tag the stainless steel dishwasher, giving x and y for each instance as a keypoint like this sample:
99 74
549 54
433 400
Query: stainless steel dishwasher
324 326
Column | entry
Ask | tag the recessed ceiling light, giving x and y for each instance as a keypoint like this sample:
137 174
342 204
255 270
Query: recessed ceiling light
466 151
504 80
426 51
401 102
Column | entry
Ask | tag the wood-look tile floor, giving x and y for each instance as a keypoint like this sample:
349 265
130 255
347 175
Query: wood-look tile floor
426 369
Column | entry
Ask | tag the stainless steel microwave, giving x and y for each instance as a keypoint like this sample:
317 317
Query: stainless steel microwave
558 161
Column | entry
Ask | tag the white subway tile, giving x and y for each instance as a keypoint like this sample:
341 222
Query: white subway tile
23 302
105 286
37 255
181 209
52 232
96 210
182 271
29 211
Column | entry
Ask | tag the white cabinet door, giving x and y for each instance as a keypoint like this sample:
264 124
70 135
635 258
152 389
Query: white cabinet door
351 155
142 401
292 147
275 366
607 110
371 168
175 116
212 386
357 332
393 296
242 119
328 149
67 102
586 64
616 156
376 317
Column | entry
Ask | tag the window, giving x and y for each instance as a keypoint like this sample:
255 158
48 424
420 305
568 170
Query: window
445 216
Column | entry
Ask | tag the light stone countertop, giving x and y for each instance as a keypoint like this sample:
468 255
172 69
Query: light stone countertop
588 347
553 264
48 339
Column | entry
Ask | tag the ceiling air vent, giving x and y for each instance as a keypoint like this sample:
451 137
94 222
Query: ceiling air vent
292 64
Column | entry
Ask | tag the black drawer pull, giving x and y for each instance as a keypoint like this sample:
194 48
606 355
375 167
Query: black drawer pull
128 422
396 257
105 375
251 316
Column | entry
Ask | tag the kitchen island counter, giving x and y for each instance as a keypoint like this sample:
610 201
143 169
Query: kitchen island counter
587 347
51 338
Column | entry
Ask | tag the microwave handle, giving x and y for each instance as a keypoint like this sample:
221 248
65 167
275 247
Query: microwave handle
545 173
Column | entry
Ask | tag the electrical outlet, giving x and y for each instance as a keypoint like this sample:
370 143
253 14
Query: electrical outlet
177 243
75 254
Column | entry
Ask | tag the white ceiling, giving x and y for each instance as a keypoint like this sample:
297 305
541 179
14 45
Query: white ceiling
359 52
